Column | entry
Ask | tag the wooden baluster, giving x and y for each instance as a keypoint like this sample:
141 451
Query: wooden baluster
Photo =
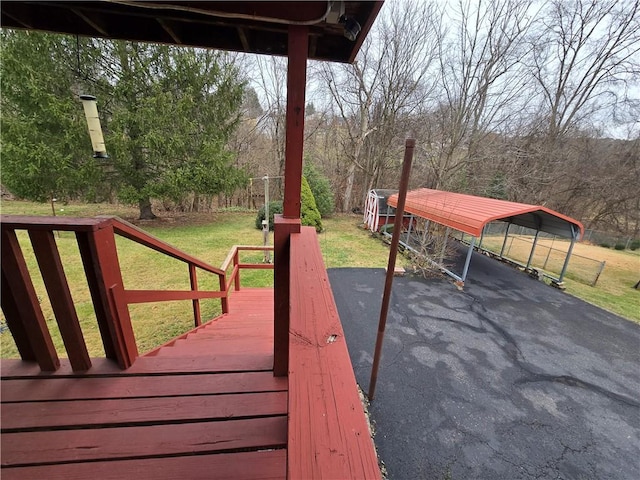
23 305
100 259
193 278
16 327
46 252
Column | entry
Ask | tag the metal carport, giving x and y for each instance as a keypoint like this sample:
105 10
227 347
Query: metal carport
470 214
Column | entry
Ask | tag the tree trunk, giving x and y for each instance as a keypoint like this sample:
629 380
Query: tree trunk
145 209
346 204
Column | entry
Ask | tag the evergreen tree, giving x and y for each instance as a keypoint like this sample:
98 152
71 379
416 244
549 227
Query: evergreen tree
174 111
45 146
167 115
309 214
321 189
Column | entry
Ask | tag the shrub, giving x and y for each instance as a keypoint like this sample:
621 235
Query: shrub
619 246
321 189
274 207
605 245
388 228
635 245
310 216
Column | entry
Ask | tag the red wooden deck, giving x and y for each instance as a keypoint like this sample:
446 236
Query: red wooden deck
206 406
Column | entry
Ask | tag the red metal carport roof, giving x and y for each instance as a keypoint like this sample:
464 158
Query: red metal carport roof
469 214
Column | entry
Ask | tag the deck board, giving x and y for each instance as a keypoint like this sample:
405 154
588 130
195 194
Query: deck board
206 406
35 390
64 446
90 413
238 362
262 465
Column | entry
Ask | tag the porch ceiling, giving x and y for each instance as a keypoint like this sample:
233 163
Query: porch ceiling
469 214
252 27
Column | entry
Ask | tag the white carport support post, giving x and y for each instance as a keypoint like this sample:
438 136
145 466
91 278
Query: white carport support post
444 244
533 249
506 235
409 229
574 235
468 259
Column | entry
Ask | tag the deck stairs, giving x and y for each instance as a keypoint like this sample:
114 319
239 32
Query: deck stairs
247 328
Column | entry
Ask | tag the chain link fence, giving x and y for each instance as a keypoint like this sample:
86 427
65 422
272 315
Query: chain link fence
549 255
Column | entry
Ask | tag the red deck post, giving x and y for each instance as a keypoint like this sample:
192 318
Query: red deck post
224 301
100 259
236 268
193 280
296 84
283 228
289 222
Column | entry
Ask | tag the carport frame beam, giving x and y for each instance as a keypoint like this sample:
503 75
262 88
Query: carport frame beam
533 249
444 244
506 236
409 229
574 236
467 260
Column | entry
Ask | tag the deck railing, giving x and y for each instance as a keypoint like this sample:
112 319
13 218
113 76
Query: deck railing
97 247
234 259
328 436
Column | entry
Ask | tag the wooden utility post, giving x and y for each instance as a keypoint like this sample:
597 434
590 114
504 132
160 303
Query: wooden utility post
393 252
265 222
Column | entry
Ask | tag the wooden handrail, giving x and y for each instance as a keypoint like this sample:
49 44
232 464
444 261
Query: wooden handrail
237 248
234 257
135 234
120 226
19 222
96 243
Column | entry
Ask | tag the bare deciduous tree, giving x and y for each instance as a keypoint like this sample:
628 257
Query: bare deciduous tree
481 83
388 81
584 54
272 84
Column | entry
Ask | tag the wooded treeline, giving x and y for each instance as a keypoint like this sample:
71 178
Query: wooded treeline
535 102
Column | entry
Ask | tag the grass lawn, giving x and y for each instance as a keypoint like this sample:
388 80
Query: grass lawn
211 236
208 237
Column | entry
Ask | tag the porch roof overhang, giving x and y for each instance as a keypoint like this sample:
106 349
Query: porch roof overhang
469 214
251 27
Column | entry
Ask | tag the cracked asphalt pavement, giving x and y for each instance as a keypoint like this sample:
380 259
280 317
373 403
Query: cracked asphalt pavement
508 379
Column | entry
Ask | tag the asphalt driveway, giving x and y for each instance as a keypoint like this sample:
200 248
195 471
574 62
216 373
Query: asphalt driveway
508 379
